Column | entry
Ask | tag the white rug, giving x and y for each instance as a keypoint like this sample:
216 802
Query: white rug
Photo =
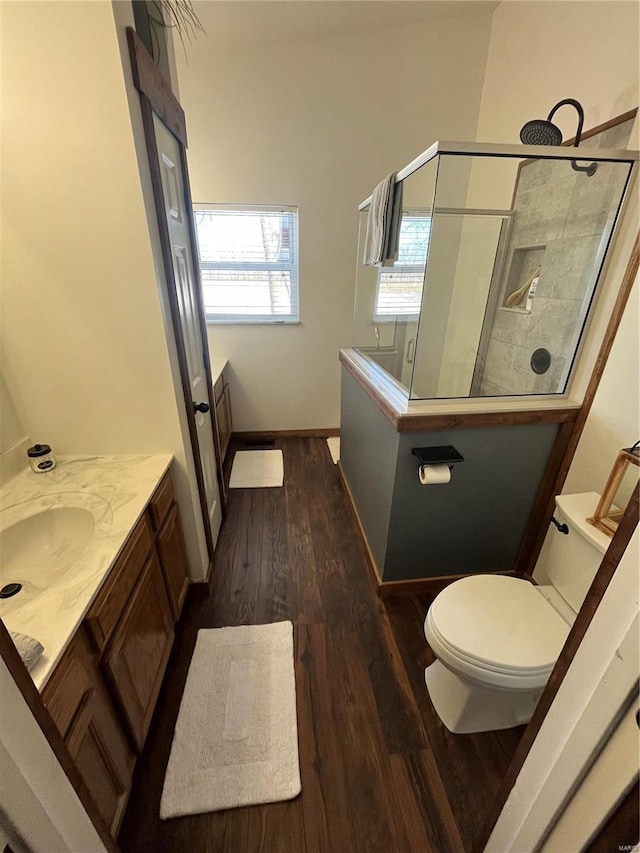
334 449
257 469
236 739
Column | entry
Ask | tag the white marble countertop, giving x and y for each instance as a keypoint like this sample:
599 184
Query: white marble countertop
115 490
217 366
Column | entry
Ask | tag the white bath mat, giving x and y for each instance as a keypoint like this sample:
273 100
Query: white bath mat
257 469
334 449
236 739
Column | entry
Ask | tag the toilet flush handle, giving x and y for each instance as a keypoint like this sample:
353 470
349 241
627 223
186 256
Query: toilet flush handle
563 528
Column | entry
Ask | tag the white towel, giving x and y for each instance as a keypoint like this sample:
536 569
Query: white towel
383 223
393 232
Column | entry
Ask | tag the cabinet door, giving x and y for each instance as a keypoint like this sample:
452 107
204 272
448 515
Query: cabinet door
136 659
82 709
97 746
173 559
223 418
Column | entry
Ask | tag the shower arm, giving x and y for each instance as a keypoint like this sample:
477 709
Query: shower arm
578 107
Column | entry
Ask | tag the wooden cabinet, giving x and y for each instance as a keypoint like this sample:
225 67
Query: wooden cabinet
173 559
170 544
223 413
161 502
81 707
103 692
106 610
137 655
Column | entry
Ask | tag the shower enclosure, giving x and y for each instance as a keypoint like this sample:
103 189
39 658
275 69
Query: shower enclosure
500 251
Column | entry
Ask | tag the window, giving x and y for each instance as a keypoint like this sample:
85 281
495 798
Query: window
400 286
248 262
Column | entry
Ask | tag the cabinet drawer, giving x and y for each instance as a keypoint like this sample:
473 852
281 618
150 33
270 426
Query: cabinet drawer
106 610
135 661
161 502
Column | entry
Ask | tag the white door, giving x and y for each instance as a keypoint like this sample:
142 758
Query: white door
186 289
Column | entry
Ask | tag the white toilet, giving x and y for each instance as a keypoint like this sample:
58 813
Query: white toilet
497 638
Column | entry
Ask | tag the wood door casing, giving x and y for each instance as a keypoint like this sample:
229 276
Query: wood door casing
136 659
163 121
187 288
173 560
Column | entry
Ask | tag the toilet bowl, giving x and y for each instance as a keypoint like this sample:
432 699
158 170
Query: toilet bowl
496 638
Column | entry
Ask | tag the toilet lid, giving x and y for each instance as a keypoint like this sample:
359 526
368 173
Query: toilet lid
499 621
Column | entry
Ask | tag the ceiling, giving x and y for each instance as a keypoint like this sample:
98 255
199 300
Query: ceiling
233 23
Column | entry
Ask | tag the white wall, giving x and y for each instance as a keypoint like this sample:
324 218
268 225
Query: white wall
85 357
318 122
11 429
540 53
614 420
83 343
543 52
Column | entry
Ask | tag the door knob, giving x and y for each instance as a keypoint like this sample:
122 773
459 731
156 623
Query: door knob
200 407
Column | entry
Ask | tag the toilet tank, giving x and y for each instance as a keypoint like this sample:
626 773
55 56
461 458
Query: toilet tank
575 557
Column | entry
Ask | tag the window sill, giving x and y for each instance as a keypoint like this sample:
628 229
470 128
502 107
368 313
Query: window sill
215 322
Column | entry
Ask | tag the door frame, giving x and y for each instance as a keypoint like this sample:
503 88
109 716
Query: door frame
157 98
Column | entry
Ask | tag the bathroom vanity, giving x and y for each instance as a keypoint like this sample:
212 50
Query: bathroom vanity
222 398
108 623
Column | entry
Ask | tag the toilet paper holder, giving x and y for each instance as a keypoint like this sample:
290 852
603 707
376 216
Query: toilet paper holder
444 455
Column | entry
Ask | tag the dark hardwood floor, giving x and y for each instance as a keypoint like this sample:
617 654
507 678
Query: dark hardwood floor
379 770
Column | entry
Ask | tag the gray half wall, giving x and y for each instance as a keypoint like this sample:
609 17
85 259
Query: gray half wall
474 523
368 453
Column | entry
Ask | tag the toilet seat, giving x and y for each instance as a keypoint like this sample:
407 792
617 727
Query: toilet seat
496 630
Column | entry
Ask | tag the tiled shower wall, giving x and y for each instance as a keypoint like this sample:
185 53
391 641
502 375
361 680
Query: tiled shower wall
560 217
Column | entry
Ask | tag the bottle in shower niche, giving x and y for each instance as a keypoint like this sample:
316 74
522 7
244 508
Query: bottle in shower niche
41 458
532 289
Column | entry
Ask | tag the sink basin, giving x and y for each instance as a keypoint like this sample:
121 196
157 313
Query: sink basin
39 550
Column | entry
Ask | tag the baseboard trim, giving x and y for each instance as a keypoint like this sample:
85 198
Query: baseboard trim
432 585
371 563
205 581
410 586
268 435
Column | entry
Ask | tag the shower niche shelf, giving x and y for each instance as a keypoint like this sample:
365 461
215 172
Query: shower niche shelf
525 260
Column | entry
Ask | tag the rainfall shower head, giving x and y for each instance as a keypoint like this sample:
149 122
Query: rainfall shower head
540 132
543 132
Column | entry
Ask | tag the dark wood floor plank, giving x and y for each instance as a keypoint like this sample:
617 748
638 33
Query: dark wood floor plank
471 766
364 757
379 770
325 805
302 567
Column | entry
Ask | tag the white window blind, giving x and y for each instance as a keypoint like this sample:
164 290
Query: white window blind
248 263
400 286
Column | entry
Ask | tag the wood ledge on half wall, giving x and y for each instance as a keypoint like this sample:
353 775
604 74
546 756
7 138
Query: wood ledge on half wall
416 416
